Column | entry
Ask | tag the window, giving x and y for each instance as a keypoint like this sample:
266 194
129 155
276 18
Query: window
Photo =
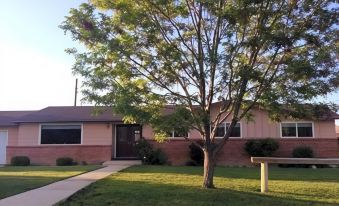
180 134
299 129
305 130
288 130
236 132
221 130
61 134
175 133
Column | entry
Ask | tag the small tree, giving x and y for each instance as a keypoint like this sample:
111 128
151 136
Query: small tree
142 55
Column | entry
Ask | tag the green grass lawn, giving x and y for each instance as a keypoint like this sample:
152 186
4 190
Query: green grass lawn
14 180
166 185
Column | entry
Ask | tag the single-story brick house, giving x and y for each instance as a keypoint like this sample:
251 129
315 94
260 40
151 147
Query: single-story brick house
54 132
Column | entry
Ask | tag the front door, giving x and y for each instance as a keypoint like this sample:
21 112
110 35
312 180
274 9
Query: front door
3 145
126 135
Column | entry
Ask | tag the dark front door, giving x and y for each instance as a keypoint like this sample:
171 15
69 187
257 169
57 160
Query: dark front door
126 135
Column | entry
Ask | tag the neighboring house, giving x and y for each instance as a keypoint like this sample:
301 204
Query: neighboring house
54 132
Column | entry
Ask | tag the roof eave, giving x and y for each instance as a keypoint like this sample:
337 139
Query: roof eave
66 121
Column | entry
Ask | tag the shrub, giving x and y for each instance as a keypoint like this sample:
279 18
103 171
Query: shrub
158 157
196 154
65 161
148 155
302 152
261 147
191 163
20 161
144 149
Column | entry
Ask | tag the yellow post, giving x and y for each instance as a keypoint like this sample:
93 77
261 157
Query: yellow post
264 177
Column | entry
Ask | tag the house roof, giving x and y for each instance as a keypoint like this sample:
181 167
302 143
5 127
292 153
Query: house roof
7 118
334 115
64 114
79 114
71 114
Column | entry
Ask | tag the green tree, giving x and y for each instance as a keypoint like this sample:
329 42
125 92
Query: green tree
142 55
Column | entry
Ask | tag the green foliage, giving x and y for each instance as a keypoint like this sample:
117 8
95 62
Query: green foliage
180 119
65 161
160 136
261 147
196 154
158 157
191 163
148 155
302 152
144 150
20 161
141 55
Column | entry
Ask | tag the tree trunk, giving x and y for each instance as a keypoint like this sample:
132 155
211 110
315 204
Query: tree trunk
209 164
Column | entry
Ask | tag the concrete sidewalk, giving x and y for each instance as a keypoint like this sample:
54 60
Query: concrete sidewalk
58 191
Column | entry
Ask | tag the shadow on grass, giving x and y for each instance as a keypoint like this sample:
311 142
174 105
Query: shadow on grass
275 173
11 185
122 192
75 168
15 180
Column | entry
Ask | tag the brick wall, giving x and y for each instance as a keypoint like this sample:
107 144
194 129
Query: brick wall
47 155
177 151
233 152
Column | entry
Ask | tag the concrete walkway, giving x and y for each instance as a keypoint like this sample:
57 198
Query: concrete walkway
58 191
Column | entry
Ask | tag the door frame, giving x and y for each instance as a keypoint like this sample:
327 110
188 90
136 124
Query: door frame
6 131
115 140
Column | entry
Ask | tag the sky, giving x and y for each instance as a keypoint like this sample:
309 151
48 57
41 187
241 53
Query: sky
35 71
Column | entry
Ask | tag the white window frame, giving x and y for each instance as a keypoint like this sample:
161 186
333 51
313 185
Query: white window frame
68 123
296 127
225 126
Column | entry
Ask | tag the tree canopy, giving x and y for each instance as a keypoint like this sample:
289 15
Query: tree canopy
142 55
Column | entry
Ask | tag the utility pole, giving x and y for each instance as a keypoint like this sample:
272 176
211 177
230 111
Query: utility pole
76 92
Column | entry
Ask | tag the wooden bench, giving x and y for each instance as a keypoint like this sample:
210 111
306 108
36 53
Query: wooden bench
275 160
